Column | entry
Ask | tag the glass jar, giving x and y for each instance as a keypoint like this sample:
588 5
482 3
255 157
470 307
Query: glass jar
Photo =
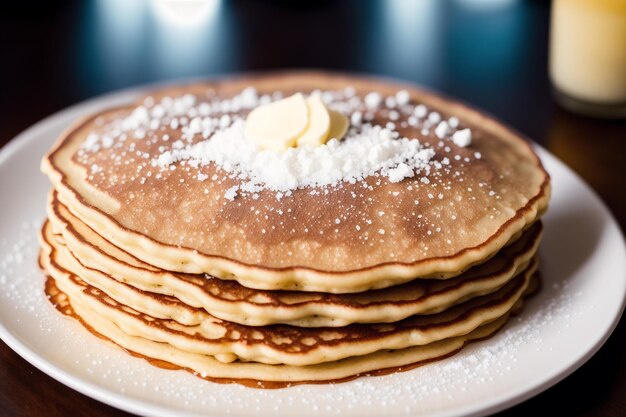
588 56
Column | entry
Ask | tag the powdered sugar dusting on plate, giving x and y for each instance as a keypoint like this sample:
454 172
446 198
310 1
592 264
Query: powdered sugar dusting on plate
19 274
21 281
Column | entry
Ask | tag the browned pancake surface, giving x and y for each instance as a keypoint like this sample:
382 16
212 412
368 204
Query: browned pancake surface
465 205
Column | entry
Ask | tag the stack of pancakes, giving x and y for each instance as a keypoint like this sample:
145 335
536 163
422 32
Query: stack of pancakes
276 288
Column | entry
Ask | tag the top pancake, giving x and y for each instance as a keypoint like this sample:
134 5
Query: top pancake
346 238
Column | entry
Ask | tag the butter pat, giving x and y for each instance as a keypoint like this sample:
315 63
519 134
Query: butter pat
278 125
338 125
294 121
317 130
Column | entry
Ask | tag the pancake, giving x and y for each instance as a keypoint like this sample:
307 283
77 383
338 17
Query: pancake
281 344
466 204
98 262
257 375
291 228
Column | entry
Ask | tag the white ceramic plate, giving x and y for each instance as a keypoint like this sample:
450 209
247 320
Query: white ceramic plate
583 265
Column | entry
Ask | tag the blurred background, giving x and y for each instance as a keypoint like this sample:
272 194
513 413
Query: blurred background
482 51
492 54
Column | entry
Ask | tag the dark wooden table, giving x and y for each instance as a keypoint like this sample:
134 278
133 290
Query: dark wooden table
491 54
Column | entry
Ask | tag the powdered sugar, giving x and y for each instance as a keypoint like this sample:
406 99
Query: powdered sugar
184 112
462 137
201 130
21 281
371 150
